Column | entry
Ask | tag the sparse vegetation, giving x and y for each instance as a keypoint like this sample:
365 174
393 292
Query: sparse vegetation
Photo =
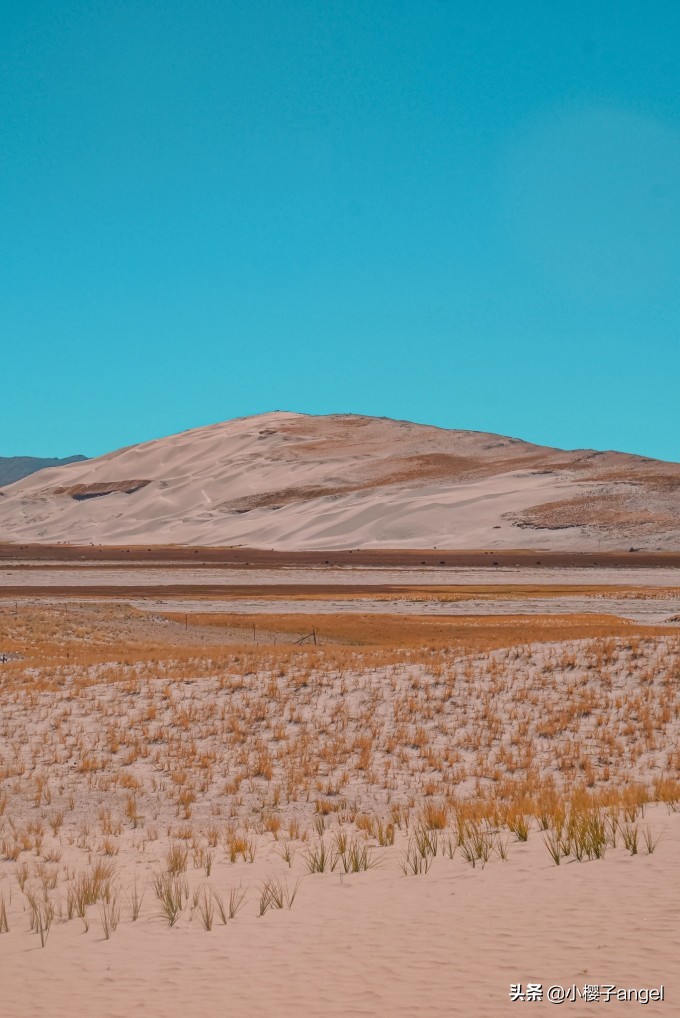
408 752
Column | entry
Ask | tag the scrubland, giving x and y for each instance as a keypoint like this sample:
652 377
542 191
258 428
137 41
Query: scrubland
152 788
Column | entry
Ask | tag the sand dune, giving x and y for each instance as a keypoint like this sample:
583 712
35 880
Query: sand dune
290 481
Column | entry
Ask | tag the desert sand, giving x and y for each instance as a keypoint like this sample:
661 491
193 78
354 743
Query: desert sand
290 481
405 819
376 943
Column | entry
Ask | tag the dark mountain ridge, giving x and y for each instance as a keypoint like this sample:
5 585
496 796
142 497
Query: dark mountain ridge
13 468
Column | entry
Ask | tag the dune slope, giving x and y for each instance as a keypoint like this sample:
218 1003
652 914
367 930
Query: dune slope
287 480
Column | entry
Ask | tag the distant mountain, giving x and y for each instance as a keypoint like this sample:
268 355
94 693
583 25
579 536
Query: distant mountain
291 481
13 468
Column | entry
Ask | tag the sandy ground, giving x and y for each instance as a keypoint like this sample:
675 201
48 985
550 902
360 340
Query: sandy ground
123 753
451 942
94 575
649 595
652 611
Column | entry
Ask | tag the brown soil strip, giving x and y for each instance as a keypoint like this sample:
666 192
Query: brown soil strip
328 591
260 558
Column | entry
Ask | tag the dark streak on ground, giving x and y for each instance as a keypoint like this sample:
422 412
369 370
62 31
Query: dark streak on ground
23 555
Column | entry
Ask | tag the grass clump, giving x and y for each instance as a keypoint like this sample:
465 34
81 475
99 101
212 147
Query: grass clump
177 858
276 894
357 857
206 908
630 835
650 839
237 899
321 858
110 915
135 897
172 892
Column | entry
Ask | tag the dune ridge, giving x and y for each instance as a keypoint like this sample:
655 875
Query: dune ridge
285 480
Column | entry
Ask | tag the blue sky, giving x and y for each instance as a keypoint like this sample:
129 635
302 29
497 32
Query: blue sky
466 214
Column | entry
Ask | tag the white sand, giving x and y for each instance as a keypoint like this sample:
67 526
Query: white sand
449 943
92 574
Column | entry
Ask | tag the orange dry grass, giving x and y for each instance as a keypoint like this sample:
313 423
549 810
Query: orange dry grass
469 633
126 738
121 643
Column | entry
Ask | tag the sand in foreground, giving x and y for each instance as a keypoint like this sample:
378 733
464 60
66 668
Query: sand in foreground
450 942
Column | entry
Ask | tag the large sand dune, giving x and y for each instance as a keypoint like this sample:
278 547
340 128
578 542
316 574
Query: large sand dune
287 480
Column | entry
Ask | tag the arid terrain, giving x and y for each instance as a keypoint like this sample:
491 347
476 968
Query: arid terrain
339 716
336 785
290 481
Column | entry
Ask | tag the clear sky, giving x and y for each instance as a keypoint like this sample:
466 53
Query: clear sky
461 213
